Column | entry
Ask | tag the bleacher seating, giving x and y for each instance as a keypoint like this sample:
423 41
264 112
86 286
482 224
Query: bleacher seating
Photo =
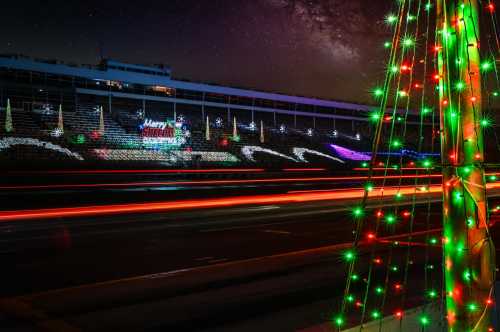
121 139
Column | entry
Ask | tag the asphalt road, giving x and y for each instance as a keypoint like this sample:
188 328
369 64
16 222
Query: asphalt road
272 266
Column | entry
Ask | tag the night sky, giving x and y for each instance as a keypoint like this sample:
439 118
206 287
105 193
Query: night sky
324 48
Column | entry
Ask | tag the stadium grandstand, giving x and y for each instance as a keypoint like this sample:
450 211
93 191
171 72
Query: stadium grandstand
115 112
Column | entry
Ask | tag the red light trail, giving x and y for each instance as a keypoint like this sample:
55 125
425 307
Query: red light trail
87 211
214 182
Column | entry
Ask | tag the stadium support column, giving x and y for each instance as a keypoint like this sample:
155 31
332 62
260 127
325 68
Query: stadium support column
468 251
229 110
203 107
110 101
295 117
253 110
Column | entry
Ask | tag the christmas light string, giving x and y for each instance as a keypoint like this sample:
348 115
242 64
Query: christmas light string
339 320
451 117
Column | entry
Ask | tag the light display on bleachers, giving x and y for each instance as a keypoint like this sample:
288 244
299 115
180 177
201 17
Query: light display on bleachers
299 153
9 127
348 154
249 151
204 156
131 155
219 123
162 133
9 142
170 157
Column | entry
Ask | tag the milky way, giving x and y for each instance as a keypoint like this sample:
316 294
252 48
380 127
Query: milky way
324 48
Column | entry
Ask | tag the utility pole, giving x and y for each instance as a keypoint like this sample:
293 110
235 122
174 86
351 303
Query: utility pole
469 254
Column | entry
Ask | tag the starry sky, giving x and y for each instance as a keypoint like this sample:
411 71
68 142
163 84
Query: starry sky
324 48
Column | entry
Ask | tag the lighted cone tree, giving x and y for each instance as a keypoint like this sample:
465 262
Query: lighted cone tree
8 118
60 121
101 123
235 129
207 129
425 69
468 250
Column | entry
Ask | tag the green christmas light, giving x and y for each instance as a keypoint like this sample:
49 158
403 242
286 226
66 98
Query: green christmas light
354 277
457 196
375 314
339 321
428 6
427 163
364 164
350 298
390 219
394 69
394 268
379 290
470 222
411 18
369 187
408 42
433 240
460 86
467 276
493 177
426 110
432 294
378 92
485 123
399 195
424 320
396 144
495 94
391 19
349 255
387 44
357 212
472 307
486 66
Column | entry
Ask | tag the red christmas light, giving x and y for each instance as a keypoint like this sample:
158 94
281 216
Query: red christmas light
370 236
489 301
406 214
398 287
378 260
380 214
445 102
491 7
405 67
398 314
473 99
477 156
